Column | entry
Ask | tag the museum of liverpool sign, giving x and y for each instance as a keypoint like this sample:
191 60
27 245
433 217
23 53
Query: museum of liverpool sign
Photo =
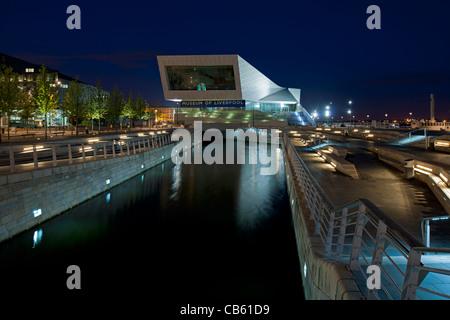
213 104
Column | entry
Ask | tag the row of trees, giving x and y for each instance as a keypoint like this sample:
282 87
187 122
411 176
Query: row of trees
80 102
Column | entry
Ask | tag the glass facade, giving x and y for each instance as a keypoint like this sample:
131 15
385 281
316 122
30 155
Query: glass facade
271 108
201 78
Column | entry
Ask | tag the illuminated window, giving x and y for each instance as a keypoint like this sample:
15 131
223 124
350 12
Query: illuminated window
201 78
29 70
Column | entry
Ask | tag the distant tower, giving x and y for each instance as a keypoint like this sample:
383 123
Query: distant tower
432 119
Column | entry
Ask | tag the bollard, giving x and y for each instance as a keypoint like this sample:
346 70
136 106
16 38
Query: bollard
95 151
12 166
409 168
55 163
82 152
69 153
35 159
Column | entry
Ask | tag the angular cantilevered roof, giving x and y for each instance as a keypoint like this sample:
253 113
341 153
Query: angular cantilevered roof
257 87
282 96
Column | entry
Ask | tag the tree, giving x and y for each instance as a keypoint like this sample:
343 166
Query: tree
115 105
97 105
9 92
128 110
27 106
151 114
156 112
75 102
140 107
46 97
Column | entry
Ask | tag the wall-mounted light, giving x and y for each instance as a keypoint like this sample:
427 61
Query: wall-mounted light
37 213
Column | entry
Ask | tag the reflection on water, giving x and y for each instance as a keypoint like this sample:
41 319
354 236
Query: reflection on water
259 194
176 184
185 233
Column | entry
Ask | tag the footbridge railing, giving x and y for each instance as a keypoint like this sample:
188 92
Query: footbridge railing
361 235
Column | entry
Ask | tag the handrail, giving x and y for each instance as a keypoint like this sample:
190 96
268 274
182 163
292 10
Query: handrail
35 156
392 224
313 181
348 238
433 250
397 138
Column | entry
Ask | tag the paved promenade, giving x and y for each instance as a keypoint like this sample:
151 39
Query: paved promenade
406 201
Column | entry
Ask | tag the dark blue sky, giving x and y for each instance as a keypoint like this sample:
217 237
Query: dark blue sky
322 47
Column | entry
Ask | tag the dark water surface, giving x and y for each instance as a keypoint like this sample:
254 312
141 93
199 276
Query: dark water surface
204 235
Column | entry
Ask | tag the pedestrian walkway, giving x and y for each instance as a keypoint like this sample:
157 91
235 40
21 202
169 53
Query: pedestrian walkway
406 201
20 136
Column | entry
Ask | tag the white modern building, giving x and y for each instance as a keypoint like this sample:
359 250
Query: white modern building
228 83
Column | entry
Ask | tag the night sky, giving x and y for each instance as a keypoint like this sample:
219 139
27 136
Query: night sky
322 47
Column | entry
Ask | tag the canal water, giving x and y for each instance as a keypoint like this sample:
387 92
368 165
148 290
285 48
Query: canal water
203 235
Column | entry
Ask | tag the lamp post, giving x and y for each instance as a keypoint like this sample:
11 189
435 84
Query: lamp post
314 117
57 86
350 111
327 112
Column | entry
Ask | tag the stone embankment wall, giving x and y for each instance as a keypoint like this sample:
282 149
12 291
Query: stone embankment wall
31 197
322 279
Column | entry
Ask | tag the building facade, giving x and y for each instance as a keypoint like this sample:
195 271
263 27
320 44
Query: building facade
228 83
28 73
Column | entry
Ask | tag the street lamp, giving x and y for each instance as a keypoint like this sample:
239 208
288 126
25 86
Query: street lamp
327 112
314 117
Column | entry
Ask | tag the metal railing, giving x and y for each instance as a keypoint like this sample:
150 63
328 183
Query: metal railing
46 155
408 135
360 235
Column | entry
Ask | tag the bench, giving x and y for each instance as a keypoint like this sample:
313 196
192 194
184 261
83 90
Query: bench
28 134
59 132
